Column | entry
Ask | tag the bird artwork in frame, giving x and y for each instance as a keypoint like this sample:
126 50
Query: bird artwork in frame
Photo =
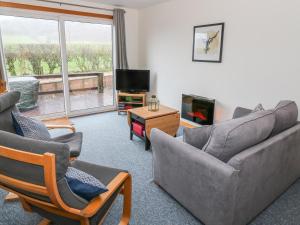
208 43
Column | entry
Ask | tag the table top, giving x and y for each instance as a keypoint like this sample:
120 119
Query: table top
144 113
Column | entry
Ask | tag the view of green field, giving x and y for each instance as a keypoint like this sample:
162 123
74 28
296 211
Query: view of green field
29 51
44 59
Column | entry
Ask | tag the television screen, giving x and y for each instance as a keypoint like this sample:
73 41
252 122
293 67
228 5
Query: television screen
133 80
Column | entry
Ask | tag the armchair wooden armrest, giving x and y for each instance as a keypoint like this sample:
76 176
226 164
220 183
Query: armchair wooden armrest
59 123
70 127
120 184
124 184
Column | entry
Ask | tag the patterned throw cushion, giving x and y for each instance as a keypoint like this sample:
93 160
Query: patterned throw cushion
29 127
83 184
257 108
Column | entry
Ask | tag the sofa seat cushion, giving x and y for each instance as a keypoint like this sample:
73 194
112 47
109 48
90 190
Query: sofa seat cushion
286 115
197 137
233 136
73 140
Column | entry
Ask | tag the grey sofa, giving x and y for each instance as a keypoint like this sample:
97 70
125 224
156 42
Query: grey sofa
226 174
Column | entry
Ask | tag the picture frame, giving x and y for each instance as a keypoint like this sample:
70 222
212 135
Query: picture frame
208 43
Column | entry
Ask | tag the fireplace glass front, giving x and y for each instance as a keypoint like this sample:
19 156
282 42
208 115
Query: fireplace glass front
198 109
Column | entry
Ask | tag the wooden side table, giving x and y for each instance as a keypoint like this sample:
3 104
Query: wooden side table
166 119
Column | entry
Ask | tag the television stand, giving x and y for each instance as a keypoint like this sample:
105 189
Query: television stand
126 101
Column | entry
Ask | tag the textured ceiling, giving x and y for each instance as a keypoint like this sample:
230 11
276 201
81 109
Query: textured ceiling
129 3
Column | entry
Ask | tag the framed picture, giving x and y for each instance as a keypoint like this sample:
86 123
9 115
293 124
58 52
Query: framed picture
208 43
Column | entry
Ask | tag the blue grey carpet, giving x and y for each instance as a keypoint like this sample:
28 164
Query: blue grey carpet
106 142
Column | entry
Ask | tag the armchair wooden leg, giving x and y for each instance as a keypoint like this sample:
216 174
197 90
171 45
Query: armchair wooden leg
11 197
126 192
126 202
25 205
45 222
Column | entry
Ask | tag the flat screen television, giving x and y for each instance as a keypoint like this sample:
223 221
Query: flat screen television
132 80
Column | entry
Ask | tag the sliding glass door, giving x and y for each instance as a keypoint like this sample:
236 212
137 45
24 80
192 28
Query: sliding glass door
33 63
89 53
61 66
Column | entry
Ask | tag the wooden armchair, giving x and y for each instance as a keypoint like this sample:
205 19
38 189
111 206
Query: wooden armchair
8 102
36 171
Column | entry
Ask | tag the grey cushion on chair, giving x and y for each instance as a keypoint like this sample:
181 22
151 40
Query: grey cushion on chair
9 99
197 137
7 105
34 174
286 115
105 174
27 172
74 140
233 136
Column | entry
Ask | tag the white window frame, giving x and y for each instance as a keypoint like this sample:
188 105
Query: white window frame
61 19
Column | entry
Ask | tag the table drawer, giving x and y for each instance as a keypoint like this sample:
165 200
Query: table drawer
137 118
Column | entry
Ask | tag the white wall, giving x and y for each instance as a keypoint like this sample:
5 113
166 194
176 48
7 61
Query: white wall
261 54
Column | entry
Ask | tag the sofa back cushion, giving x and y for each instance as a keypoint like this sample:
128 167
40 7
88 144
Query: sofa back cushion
286 115
7 105
198 136
240 112
233 136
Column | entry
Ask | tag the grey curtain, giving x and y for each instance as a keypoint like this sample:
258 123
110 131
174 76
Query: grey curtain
120 39
1 70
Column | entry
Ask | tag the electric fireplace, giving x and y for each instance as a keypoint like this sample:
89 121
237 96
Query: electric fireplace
198 109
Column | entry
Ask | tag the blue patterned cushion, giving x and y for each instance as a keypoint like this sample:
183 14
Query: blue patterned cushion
83 184
29 127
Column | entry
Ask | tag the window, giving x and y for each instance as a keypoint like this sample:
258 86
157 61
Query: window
89 53
34 50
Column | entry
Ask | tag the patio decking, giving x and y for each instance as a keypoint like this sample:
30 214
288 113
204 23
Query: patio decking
79 100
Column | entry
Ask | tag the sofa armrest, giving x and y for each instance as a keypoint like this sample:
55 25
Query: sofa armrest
202 183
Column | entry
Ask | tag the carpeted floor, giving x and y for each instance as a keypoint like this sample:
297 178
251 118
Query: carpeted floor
106 142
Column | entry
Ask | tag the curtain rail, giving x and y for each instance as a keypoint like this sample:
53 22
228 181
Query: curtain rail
77 5
53 10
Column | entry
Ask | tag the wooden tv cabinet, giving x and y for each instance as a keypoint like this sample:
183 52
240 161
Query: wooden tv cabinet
127 101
